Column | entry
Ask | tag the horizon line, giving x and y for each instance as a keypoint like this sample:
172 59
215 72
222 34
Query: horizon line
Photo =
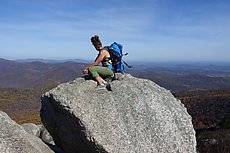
127 60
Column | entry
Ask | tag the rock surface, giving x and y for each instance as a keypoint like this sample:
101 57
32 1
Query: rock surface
45 136
137 116
32 128
38 131
14 139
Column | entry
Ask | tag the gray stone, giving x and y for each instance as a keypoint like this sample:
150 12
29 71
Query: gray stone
39 131
137 116
14 139
45 136
32 128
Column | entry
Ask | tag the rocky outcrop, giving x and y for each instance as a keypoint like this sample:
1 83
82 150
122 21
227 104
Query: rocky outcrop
14 139
137 116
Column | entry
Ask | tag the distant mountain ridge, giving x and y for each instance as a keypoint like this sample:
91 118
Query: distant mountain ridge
52 60
179 77
37 74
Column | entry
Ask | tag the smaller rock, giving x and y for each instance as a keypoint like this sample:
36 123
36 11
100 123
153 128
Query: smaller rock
45 136
32 128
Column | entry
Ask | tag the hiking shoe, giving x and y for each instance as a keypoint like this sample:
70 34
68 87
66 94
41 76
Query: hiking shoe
106 83
101 87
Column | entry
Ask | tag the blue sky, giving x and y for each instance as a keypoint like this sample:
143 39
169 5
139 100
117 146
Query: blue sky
151 30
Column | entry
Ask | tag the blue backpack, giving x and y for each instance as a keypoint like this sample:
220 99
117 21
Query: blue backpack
115 51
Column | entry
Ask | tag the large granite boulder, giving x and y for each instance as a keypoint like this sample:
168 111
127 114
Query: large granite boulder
14 139
137 116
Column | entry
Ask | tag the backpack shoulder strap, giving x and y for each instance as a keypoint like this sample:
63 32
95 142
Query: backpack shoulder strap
106 48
